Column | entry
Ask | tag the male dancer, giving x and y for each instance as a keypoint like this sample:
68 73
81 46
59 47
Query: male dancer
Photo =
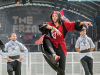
85 46
14 59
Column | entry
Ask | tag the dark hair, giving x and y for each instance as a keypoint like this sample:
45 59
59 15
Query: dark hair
59 17
12 34
83 27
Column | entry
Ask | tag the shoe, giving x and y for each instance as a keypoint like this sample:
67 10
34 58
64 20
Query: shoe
57 58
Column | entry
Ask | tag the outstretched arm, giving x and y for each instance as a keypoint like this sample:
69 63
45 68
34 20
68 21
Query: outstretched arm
86 23
77 25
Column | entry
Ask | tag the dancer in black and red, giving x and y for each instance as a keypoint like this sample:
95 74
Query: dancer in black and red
54 37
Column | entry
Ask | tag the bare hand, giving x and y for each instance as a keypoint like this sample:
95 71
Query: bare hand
79 51
88 24
20 59
58 32
9 59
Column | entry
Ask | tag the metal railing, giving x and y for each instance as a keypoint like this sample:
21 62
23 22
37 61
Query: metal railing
35 64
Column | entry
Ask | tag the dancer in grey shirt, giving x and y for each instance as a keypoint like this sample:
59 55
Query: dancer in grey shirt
14 59
85 46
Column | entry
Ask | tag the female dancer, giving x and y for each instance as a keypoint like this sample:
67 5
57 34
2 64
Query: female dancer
54 33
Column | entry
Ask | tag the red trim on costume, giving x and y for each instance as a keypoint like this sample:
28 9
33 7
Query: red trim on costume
61 12
58 57
40 40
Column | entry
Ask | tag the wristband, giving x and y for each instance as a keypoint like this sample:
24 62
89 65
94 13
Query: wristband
52 28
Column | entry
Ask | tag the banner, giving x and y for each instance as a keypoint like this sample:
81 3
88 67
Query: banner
24 21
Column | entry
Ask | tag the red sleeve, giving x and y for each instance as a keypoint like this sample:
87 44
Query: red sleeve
69 26
49 23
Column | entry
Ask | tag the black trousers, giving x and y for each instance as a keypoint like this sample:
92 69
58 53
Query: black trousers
51 49
87 64
14 66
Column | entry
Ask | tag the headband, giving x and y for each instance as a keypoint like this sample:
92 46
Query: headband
54 13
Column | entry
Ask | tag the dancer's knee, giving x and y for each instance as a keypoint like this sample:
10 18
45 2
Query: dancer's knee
9 70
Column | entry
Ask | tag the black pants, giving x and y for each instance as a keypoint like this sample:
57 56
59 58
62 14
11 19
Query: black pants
87 64
58 51
14 66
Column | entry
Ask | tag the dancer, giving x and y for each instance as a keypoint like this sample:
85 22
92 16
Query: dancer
85 46
54 33
14 59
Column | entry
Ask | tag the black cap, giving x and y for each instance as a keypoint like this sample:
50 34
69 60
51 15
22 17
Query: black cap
83 28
